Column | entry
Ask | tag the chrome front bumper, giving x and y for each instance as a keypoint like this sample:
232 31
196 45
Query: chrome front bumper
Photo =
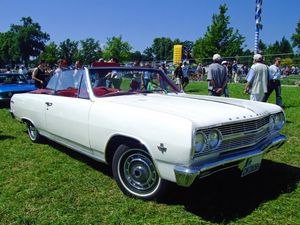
185 175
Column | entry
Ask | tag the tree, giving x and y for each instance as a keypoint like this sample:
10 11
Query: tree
68 50
89 52
136 56
116 48
29 38
262 46
296 37
148 54
162 48
9 49
219 38
286 62
50 54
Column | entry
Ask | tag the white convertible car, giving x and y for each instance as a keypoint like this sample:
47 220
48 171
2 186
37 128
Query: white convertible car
138 121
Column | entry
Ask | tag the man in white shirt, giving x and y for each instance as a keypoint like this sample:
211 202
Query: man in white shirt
257 79
274 83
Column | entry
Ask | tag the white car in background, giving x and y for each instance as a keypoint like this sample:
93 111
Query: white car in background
140 123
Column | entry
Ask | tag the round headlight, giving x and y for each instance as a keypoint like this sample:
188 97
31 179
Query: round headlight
272 122
279 121
200 142
214 139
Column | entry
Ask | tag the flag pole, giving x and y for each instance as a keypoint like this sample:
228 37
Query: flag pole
258 25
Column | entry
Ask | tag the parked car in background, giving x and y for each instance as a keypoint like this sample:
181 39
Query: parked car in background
11 83
138 122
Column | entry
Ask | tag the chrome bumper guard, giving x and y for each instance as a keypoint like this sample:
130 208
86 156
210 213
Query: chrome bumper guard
185 176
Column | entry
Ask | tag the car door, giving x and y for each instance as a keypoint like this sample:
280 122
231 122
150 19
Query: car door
67 112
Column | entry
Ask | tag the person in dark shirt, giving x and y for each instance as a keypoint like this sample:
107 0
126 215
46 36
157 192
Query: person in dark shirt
39 76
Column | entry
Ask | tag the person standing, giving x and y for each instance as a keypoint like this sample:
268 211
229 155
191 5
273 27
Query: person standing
146 76
77 73
199 72
178 74
62 64
39 75
216 77
257 79
226 92
235 72
185 73
23 70
274 83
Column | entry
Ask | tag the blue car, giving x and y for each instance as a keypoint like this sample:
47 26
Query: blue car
11 83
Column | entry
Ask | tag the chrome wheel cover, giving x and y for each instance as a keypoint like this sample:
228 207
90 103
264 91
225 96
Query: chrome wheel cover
32 131
137 172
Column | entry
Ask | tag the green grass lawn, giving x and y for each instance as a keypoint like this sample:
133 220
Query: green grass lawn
50 184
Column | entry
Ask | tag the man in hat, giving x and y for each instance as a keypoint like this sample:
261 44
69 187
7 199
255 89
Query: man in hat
216 77
257 79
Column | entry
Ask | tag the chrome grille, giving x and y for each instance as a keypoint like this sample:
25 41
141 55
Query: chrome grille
240 135
243 126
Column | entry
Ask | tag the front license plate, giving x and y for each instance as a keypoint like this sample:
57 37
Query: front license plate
252 165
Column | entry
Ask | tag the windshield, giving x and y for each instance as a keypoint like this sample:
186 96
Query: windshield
12 79
118 81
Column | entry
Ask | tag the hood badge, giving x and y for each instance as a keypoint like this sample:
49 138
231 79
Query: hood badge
162 148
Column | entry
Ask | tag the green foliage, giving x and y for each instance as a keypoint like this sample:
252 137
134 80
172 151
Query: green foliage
276 49
9 49
136 56
219 38
116 48
68 50
148 54
162 48
50 54
296 37
286 62
29 38
90 51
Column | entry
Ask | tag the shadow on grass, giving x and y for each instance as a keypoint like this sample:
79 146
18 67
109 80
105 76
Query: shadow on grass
99 166
225 197
222 197
4 137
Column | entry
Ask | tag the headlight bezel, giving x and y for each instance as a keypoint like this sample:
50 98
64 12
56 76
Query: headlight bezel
276 121
279 121
206 137
200 134
218 142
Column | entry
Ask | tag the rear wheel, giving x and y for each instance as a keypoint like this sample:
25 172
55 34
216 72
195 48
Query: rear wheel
135 173
33 132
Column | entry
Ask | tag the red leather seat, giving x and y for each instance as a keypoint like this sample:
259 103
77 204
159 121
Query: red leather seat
67 92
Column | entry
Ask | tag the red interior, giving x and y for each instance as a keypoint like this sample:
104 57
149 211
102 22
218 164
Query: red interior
100 91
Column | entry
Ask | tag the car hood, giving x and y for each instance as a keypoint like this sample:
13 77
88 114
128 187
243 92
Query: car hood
201 110
16 87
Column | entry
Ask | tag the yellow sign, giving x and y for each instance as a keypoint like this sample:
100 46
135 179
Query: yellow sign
177 54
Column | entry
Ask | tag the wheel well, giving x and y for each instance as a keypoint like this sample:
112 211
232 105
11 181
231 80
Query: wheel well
26 121
115 142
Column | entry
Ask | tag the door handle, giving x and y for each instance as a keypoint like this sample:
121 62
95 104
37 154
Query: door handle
48 103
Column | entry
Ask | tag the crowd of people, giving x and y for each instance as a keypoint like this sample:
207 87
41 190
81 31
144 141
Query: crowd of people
261 79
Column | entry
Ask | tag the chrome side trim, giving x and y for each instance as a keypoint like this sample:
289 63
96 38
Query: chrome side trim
185 175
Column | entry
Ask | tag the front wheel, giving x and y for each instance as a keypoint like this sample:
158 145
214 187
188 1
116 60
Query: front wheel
33 132
135 173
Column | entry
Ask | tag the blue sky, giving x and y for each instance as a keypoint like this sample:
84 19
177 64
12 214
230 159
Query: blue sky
140 21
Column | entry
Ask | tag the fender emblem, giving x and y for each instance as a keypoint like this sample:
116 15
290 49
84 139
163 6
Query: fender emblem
162 148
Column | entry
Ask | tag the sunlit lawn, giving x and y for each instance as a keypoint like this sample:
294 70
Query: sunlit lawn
50 184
